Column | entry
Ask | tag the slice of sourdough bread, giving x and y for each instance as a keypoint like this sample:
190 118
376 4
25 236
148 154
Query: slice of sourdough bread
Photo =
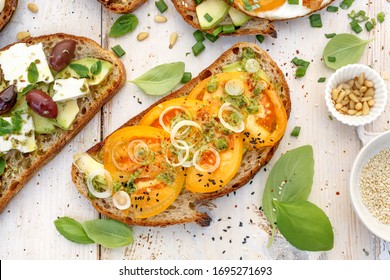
255 26
8 11
184 209
122 6
21 167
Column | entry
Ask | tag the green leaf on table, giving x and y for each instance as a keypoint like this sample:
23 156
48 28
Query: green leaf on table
109 233
304 225
72 230
123 25
160 79
344 49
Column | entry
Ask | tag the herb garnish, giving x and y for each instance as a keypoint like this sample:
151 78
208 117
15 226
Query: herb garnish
32 73
80 70
123 25
11 127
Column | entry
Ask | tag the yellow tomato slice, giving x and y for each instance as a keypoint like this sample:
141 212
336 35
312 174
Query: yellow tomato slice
204 182
142 170
265 122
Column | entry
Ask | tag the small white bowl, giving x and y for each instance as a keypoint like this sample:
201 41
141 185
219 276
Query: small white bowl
346 73
373 147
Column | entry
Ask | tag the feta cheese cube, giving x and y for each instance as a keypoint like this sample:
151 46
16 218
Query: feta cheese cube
68 89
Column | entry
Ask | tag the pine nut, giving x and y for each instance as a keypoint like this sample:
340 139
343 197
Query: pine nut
351 83
359 113
172 39
142 36
358 106
363 89
22 35
344 109
335 94
32 7
338 106
353 97
368 84
345 86
362 78
371 102
357 84
351 105
366 108
369 92
341 97
364 99
351 112
160 19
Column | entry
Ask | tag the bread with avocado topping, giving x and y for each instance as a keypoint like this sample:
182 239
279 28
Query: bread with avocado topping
185 208
7 12
20 167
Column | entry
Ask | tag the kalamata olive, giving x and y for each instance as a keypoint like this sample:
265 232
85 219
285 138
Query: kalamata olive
62 54
41 103
8 99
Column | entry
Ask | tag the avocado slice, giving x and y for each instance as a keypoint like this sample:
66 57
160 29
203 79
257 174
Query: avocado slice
67 113
42 125
238 18
85 163
211 12
88 63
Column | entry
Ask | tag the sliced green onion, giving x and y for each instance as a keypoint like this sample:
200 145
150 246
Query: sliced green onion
252 65
369 26
293 2
161 6
356 26
332 9
260 38
234 87
208 17
300 62
381 17
228 28
217 31
119 52
296 131
321 80
198 35
331 59
346 4
373 20
300 72
187 76
198 48
330 35
211 37
315 20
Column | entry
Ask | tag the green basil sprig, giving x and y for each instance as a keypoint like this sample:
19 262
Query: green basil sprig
285 202
160 79
123 25
11 127
80 69
96 68
32 73
108 233
343 49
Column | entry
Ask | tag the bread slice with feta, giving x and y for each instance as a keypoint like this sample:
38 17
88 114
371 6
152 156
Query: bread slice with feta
7 9
29 158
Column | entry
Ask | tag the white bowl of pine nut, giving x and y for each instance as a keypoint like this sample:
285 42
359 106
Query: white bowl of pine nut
356 95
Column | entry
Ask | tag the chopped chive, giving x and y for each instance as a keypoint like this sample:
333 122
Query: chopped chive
198 35
369 26
186 77
381 17
161 6
330 35
217 31
373 20
296 131
198 48
119 52
332 9
293 2
300 62
321 80
330 117
260 38
208 17
301 71
331 59
211 37
356 26
228 28
346 4
315 20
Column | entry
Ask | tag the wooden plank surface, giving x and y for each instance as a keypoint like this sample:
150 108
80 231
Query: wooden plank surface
237 230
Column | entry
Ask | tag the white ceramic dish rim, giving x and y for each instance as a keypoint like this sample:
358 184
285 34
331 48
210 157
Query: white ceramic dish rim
380 87
372 148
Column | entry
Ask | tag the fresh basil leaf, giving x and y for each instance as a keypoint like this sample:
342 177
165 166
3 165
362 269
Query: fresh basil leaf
2 166
72 230
123 25
32 73
161 79
11 127
80 70
345 48
290 179
96 68
304 225
16 121
28 88
109 233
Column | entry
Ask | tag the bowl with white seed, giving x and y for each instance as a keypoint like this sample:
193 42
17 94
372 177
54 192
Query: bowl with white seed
370 183
356 95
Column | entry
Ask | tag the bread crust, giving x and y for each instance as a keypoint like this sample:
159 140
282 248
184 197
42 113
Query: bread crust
119 7
7 13
188 201
113 84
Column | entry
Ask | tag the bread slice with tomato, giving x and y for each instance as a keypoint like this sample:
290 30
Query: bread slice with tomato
61 82
7 9
230 119
122 6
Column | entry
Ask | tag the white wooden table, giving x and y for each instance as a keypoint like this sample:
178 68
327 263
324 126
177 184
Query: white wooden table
26 225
